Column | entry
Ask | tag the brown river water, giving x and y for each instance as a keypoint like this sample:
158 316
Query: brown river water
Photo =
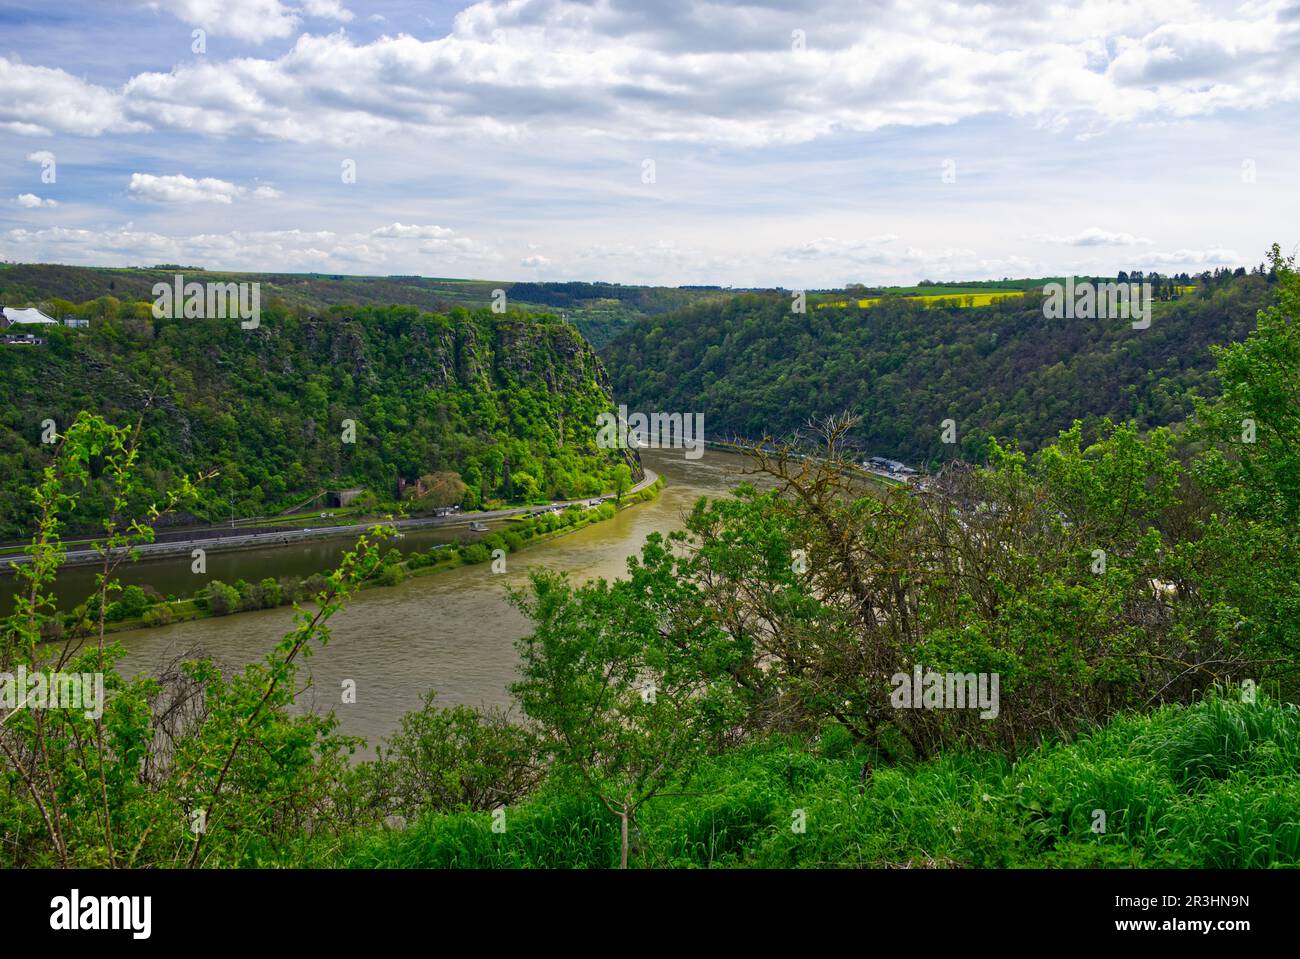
453 632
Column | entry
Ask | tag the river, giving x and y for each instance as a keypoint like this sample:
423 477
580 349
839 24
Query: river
453 632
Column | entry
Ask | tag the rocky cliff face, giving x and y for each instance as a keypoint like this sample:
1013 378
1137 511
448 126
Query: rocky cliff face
555 357
427 392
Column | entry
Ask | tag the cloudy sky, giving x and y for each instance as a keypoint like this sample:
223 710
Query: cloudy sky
781 142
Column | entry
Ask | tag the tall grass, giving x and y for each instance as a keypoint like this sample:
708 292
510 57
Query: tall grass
1212 785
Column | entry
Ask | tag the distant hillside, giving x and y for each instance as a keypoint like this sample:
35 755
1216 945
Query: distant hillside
754 367
507 401
598 310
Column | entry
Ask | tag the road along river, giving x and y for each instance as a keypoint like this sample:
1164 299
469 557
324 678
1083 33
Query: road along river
453 632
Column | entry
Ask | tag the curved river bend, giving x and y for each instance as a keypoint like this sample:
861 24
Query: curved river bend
453 632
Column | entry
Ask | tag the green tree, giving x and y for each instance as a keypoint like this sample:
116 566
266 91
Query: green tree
623 690
622 480
1249 466
449 759
187 768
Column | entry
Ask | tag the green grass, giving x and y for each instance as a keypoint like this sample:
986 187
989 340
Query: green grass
557 830
1213 785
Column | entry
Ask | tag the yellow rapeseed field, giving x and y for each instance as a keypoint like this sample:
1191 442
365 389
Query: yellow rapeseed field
957 299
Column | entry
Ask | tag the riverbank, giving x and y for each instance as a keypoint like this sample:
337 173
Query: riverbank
219 599
212 541
871 474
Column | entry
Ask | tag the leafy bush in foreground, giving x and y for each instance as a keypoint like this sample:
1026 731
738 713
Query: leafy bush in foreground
1212 785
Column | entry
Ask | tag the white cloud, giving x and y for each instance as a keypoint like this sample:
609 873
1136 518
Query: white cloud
528 120
1191 259
327 10
38 101
866 250
401 231
462 248
1095 236
179 188
713 73
435 241
254 21
248 250
40 156
827 261
31 201
650 261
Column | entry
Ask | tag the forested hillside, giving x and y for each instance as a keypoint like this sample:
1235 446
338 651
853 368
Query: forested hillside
753 366
599 310
507 401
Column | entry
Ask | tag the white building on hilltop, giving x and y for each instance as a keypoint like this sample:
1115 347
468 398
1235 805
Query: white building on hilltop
28 317
26 320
